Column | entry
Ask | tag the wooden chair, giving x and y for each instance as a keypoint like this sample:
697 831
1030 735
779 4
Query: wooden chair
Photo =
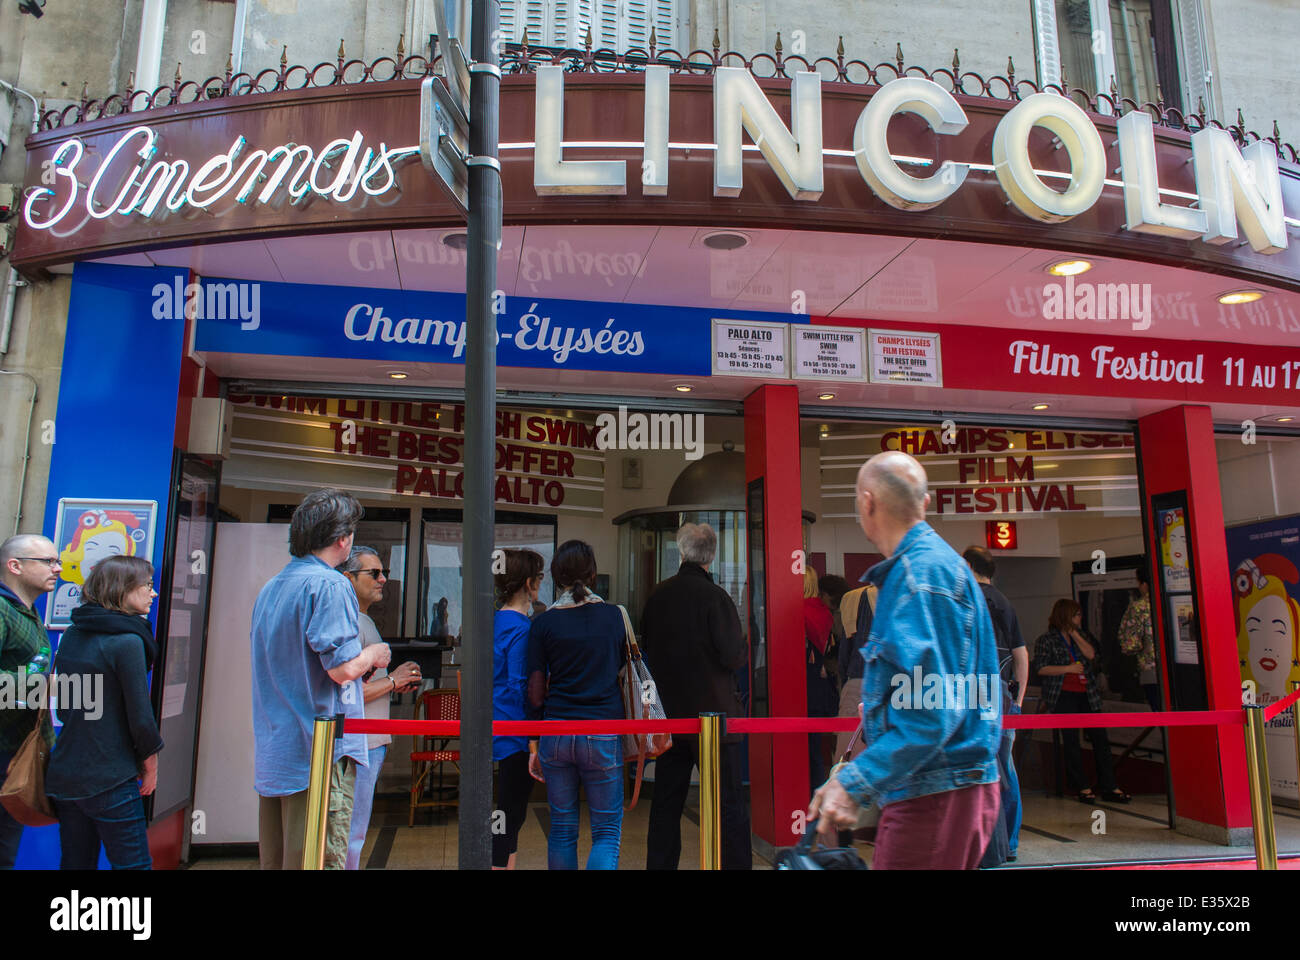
431 752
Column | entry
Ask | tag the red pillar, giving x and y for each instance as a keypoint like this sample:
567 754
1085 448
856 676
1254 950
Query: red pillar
1207 764
778 764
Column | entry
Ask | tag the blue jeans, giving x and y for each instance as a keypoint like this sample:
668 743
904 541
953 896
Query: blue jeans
1010 785
597 764
115 818
363 801
11 831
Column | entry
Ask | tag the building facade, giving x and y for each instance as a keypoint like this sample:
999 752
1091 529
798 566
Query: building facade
1079 312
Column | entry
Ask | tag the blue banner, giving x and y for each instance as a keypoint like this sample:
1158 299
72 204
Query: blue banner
297 320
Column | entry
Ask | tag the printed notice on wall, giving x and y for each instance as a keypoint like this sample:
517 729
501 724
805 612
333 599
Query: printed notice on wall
828 353
900 357
742 349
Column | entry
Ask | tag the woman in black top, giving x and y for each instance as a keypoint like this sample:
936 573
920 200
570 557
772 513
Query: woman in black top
109 735
575 650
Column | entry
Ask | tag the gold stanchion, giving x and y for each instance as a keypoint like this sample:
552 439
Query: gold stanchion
710 791
1295 723
318 793
1261 793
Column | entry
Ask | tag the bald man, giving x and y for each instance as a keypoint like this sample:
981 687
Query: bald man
931 705
29 567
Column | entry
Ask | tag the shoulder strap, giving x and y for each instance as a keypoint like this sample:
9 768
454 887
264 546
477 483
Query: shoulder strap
629 636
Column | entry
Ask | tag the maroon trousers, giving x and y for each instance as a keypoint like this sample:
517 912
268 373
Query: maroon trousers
941 831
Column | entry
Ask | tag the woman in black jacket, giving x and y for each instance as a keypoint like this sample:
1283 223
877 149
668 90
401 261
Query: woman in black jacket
109 736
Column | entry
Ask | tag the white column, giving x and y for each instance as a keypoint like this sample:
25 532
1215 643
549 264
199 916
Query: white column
149 57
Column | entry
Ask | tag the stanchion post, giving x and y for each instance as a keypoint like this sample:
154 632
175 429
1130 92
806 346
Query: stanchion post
711 733
1295 723
1261 793
318 793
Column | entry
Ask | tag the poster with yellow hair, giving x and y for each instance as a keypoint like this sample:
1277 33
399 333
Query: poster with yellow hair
86 532
1265 562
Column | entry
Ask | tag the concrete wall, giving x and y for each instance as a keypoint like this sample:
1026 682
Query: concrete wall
1258 480
929 30
1253 46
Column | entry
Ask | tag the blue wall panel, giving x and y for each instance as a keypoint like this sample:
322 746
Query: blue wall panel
116 420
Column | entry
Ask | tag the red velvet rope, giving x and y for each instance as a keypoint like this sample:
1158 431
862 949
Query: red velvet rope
1272 710
1040 721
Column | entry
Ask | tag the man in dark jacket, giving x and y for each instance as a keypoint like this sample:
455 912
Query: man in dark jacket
693 645
29 566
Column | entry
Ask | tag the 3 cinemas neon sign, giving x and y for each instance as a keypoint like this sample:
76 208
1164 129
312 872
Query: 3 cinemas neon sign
1235 187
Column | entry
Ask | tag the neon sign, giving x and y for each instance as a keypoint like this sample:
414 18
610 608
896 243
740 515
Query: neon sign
1234 186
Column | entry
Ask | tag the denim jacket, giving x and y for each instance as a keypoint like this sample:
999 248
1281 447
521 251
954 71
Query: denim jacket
931 616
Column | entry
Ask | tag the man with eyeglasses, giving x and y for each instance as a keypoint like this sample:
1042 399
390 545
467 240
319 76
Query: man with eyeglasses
368 576
29 566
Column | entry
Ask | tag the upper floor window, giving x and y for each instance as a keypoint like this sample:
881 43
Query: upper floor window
1143 50
614 24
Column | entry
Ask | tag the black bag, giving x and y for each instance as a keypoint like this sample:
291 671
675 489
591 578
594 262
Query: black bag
802 856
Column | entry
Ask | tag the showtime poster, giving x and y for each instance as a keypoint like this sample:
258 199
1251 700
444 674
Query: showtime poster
1264 558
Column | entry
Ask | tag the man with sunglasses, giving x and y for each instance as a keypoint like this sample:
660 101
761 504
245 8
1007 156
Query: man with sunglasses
29 566
368 576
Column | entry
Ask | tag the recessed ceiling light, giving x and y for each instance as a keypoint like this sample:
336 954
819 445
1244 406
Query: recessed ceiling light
1040 406
683 388
1285 419
725 240
456 239
397 375
1069 268
825 396
1240 296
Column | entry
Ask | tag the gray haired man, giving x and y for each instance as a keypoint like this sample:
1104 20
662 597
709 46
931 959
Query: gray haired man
694 646
29 566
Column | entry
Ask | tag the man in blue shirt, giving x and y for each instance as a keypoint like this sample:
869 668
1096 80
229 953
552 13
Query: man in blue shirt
931 701
308 661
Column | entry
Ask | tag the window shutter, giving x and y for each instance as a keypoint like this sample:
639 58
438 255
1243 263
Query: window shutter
665 21
1189 25
1046 50
636 24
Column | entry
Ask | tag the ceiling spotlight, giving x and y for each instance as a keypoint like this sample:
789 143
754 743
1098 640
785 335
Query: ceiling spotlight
1069 268
1285 419
1240 296
397 375
456 239
725 240
825 396
683 388
1040 406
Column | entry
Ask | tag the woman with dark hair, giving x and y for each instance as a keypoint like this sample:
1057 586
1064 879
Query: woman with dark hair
818 623
1064 656
575 650
109 738
517 589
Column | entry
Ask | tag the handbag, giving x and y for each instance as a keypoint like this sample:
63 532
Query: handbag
868 817
641 701
802 856
23 794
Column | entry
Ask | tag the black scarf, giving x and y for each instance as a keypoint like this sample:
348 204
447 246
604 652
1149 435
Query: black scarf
94 620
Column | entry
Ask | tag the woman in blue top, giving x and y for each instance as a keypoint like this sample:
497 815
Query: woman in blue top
575 650
516 590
